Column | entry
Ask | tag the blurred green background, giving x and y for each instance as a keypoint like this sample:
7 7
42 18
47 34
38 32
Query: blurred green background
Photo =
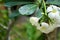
22 29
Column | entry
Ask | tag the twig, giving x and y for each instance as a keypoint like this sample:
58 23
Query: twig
10 25
3 26
9 29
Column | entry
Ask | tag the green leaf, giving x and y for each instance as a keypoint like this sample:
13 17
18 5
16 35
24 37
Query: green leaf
42 37
38 13
10 4
4 11
37 34
30 31
19 0
14 14
54 2
27 9
1 0
39 1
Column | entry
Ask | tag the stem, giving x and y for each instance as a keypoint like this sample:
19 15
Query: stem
8 31
3 26
44 7
10 25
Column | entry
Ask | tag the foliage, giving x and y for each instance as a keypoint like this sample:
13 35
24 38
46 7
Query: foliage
3 22
26 8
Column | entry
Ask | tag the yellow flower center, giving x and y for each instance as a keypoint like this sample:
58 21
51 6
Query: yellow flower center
54 11
43 28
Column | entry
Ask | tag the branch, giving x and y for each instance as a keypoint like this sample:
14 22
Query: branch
3 26
9 29
10 25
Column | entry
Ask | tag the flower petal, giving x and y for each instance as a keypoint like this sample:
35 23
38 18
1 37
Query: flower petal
44 24
51 15
34 21
49 9
47 30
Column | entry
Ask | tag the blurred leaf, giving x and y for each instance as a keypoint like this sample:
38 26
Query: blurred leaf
28 9
30 31
55 2
39 1
42 37
4 11
2 33
10 4
37 34
38 13
1 0
18 0
14 14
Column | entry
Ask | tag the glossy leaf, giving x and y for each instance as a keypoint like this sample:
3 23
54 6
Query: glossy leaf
27 9
14 14
55 2
19 0
38 13
10 4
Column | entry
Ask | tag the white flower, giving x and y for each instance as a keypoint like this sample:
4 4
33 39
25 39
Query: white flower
34 21
53 12
46 28
44 24
53 15
43 28
51 7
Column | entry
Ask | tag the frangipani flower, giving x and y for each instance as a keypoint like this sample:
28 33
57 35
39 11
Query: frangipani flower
44 28
53 15
53 12
51 8
34 21
47 28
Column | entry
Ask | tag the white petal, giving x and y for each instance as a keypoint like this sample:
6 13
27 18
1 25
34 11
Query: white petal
44 27
57 25
59 8
47 30
38 27
54 15
57 15
54 7
34 20
50 29
49 9
44 24
57 21
51 15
